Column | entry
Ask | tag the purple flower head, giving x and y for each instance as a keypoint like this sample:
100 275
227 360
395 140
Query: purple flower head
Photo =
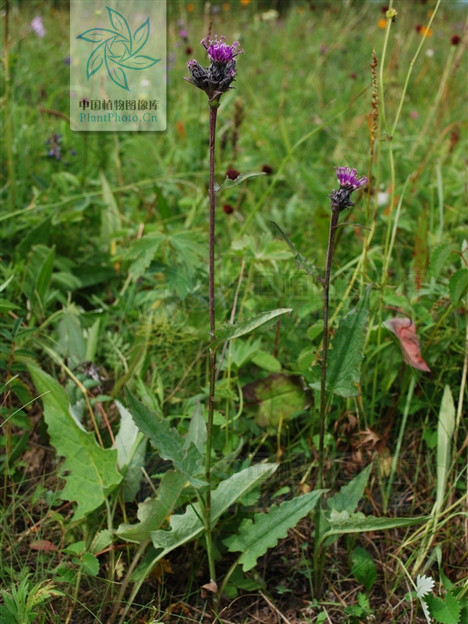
220 52
38 27
349 181
349 177
183 34
218 77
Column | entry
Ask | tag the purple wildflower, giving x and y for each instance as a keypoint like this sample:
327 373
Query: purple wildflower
54 148
183 34
349 181
218 77
349 177
220 52
38 27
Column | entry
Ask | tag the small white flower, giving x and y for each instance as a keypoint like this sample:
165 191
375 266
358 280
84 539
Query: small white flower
429 53
382 198
424 585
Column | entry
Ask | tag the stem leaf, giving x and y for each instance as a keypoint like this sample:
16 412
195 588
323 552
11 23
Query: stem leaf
229 332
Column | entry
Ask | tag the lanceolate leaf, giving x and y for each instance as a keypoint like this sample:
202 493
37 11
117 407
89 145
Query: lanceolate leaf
445 429
299 259
228 183
91 471
229 332
256 536
344 522
345 356
458 285
168 442
152 513
189 526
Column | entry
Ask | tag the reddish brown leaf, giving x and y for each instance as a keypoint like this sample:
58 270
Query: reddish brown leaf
405 330
43 545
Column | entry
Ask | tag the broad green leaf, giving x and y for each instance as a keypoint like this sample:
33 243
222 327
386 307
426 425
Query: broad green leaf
363 568
446 611
90 471
228 183
458 285
344 522
197 433
152 512
268 362
345 356
89 564
349 495
71 343
299 259
277 398
445 429
439 257
168 441
256 536
229 332
188 526
131 449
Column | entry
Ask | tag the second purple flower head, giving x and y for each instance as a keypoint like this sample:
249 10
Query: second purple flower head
218 77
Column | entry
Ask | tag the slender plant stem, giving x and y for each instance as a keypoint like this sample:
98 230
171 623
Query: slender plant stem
8 118
319 555
323 382
211 287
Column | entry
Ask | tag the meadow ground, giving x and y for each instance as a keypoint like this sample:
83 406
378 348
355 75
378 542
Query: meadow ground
105 327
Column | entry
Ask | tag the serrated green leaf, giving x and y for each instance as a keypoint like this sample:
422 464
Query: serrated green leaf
446 611
256 536
445 429
458 285
143 250
168 441
91 471
306 358
188 526
345 356
439 257
299 259
229 332
228 183
363 568
152 512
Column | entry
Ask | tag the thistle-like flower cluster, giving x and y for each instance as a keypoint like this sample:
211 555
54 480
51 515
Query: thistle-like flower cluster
218 77
349 181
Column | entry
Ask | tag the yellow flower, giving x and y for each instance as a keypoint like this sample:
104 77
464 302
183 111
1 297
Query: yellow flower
226 6
245 2
382 23
190 7
391 14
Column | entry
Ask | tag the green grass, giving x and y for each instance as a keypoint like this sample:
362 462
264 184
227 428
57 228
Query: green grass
85 278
